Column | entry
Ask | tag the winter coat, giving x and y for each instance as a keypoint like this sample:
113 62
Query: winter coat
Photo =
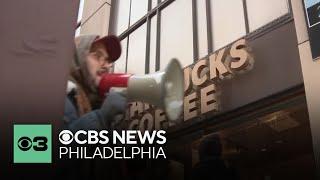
74 121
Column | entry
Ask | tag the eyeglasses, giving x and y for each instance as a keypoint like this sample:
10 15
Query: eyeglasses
98 55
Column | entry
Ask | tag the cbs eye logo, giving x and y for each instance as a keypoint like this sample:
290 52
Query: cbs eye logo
32 144
65 137
38 143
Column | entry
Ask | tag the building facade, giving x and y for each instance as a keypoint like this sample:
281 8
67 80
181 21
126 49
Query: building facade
265 109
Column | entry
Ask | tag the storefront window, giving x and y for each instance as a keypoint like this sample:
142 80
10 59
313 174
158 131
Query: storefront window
227 22
153 39
79 16
122 16
275 146
139 8
137 51
261 12
176 33
120 65
154 3
202 28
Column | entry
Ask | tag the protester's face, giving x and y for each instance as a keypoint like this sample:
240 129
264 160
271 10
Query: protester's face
97 63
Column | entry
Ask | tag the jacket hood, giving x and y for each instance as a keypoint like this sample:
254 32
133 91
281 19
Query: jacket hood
83 44
79 71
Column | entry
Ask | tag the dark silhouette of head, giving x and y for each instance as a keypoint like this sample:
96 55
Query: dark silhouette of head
210 147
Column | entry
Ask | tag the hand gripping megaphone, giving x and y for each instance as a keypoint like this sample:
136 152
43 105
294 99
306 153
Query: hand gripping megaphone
163 89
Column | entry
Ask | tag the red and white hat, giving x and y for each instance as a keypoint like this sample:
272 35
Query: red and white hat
112 45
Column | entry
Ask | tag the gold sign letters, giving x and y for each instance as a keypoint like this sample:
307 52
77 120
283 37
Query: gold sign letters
201 91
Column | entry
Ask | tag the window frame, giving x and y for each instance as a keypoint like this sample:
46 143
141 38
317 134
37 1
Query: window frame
156 13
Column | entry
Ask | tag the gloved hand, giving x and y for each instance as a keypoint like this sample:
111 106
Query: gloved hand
114 104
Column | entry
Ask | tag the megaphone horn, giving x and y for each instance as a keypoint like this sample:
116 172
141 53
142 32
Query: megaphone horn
163 89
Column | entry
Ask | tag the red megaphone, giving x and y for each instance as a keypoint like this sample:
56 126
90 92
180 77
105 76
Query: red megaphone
112 80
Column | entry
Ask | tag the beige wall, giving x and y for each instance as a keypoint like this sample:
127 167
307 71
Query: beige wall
99 22
311 76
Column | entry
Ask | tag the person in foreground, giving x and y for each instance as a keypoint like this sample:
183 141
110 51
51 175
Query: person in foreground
84 109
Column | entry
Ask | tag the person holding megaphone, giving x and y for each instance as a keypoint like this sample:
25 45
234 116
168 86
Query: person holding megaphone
95 97
84 108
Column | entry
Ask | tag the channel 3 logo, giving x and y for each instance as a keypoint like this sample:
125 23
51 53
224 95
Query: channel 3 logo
25 143
32 143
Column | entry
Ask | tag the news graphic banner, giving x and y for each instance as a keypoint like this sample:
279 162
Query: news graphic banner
33 144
